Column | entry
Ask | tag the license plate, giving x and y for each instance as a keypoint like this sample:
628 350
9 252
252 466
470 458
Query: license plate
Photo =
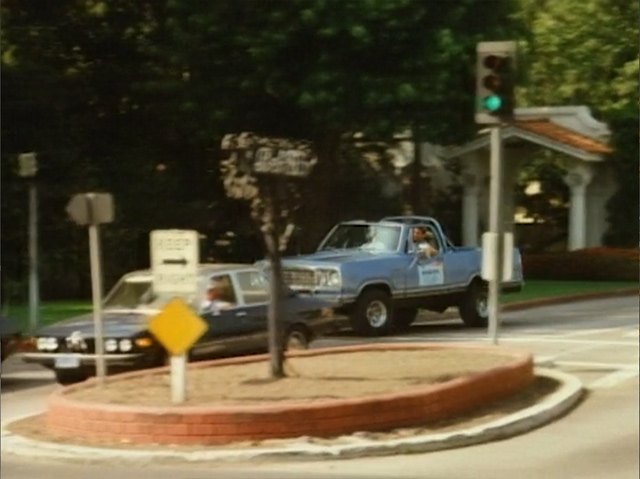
67 362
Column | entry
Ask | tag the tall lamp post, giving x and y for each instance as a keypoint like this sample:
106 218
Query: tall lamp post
28 167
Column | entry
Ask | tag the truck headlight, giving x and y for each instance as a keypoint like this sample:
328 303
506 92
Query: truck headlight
328 277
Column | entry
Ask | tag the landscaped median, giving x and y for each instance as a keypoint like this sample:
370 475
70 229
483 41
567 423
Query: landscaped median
328 392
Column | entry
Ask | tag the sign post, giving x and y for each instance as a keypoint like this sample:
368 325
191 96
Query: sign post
177 327
175 255
91 209
28 168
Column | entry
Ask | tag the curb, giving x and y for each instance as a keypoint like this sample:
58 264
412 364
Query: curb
555 405
452 313
521 305
225 424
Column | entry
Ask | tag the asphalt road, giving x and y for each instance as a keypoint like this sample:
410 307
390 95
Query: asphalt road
597 341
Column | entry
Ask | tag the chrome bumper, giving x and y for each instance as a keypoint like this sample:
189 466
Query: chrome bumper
48 359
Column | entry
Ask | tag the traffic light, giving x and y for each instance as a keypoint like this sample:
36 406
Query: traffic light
495 71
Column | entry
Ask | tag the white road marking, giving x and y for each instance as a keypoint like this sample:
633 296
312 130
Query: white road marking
599 365
28 375
589 332
613 379
528 339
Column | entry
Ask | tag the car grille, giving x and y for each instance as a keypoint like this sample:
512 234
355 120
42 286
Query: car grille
299 278
67 347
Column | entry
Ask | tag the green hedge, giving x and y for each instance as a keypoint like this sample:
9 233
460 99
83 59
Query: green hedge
590 264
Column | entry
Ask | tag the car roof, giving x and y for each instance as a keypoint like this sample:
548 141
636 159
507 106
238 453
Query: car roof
411 220
365 222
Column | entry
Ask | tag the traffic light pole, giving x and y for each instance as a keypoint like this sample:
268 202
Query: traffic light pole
495 227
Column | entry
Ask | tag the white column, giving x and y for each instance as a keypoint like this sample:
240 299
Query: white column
470 202
598 194
578 178
511 167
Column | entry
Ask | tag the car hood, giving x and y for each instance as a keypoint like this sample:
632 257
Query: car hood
8 326
115 323
334 258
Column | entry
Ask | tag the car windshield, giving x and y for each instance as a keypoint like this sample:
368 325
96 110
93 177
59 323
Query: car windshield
132 292
382 238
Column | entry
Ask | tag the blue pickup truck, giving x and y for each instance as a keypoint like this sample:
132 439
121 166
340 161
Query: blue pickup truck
379 276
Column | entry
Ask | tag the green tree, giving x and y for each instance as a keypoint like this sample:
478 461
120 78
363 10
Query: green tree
323 69
134 96
584 52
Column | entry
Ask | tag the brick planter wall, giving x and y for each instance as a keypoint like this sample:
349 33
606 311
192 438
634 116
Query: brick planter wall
184 425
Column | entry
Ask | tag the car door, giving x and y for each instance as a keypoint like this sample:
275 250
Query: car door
252 292
226 327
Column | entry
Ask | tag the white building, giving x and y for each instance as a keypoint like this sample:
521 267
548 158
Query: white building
570 131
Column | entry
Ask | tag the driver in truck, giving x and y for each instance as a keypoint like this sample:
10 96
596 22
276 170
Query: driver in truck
424 241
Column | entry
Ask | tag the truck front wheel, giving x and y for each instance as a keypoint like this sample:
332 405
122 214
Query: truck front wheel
473 306
372 313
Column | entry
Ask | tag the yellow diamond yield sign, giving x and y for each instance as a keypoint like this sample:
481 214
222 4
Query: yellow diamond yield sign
177 327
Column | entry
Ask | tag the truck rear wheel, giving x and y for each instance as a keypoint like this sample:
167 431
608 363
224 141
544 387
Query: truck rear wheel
372 315
473 306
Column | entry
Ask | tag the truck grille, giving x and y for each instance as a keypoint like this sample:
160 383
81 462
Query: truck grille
299 278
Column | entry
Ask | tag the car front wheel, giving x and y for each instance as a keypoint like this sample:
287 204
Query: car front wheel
70 376
296 339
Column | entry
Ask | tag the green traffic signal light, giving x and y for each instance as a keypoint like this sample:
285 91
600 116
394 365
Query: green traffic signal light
492 103
495 78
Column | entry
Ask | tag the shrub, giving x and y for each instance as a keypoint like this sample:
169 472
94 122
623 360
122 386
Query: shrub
589 264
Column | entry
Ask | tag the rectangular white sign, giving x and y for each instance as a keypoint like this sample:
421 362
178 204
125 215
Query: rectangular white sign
431 274
175 255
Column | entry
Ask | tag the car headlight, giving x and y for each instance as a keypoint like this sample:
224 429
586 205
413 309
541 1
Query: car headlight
47 344
110 345
328 277
41 344
125 345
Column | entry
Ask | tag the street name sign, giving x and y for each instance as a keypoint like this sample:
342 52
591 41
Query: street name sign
175 255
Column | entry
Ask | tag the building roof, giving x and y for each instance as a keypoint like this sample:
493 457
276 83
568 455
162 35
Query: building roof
561 134
570 130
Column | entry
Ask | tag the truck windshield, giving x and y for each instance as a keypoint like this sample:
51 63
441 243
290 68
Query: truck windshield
379 238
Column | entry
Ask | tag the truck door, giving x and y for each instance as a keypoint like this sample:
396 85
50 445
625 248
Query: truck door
427 269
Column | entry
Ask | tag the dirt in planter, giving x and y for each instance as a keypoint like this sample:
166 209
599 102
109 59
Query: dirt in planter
309 378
